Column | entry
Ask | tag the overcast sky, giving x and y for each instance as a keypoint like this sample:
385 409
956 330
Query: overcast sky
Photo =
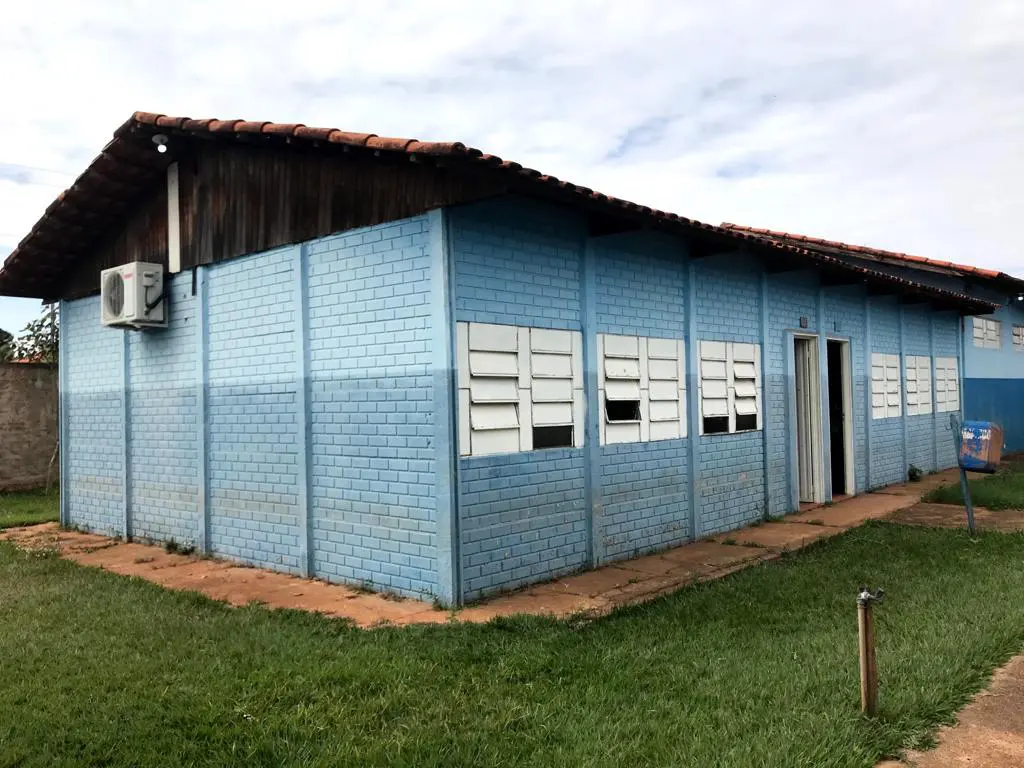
896 124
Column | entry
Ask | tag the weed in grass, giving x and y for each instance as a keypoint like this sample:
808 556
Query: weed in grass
730 541
914 474
171 546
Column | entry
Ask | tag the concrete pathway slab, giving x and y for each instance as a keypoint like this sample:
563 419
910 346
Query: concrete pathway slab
589 583
707 555
593 592
778 535
851 513
654 565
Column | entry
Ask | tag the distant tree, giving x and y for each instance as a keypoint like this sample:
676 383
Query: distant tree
6 346
39 342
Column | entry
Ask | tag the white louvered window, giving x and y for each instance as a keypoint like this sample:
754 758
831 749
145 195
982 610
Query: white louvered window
1018 338
919 384
556 386
947 385
642 388
519 389
730 387
987 333
885 386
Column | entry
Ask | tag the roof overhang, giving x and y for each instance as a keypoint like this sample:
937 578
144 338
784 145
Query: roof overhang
129 166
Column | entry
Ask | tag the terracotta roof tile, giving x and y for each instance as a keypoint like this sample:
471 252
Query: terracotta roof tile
61 213
862 250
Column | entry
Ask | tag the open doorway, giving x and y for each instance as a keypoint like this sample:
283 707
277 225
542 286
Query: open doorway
840 425
810 478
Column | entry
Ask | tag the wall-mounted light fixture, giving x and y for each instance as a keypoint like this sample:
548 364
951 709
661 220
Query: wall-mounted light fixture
161 143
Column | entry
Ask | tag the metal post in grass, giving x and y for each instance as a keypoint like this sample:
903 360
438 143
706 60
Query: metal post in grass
868 669
965 489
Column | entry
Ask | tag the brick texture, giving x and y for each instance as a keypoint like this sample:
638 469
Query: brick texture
640 290
522 519
371 401
95 420
522 515
730 472
920 445
790 298
947 331
645 494
251 406
845 318
28 423
887 464
164 424
517 260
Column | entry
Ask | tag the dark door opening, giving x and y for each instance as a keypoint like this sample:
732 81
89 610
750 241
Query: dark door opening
837 415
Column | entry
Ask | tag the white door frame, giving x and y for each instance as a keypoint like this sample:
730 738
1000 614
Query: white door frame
847 373
812 402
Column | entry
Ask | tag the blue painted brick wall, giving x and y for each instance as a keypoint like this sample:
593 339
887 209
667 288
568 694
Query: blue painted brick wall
164 379
517 259
887 461
845 318
730 473
731 482
371 400
251 406
522 519
95 439
640 290
916 341
518 262
645 495
790 297
947 332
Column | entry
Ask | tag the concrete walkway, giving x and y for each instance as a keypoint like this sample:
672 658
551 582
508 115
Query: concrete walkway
593 592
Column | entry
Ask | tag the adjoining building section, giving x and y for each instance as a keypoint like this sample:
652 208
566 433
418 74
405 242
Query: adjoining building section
418 367
993 343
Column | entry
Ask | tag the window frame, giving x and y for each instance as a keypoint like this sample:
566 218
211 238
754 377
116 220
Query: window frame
892 372
987 333
921 368
547 375
710 354
654 370
943 368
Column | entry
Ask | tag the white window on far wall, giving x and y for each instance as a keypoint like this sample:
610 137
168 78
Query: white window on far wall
885 386
1018 338
520 389
987 333
947 385
730 387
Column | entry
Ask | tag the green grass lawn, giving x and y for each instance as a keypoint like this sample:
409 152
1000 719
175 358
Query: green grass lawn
28 507
1003 490
758 669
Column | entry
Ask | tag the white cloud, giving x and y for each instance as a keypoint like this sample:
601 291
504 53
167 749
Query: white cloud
897 124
